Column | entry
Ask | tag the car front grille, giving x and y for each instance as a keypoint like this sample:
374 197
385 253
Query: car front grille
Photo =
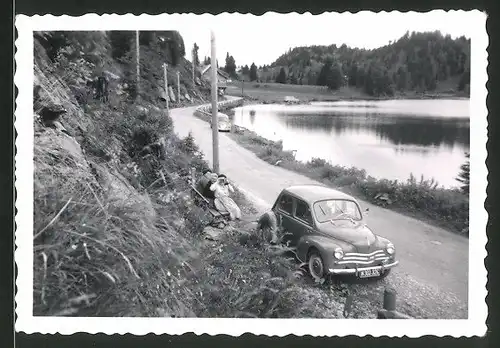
364 259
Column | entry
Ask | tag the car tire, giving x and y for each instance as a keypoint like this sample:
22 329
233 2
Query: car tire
315 265
268 227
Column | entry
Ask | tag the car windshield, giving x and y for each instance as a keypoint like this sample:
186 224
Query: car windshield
336 209
223 118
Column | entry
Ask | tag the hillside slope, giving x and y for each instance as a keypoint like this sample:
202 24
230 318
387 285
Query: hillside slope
116 232
112 217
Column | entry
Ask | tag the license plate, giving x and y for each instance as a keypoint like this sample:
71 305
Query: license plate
369 273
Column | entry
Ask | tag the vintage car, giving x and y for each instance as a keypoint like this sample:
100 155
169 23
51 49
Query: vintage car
223 121
329 232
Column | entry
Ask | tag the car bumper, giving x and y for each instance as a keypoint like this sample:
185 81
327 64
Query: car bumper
359 269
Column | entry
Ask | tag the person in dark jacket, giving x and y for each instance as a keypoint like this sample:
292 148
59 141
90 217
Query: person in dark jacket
204 183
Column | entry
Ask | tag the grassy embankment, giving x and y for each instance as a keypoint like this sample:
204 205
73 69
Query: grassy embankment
275 92
423 199
116 232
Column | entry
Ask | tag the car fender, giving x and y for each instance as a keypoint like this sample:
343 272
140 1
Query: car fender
326 247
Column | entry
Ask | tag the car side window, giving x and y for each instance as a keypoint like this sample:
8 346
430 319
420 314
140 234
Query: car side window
286 204
303 212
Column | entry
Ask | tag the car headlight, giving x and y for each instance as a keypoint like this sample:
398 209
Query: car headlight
390 249
339 253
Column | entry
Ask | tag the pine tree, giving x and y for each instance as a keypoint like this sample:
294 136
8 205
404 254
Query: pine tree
253 72
230 66
196 60
245 70
464 175
281 78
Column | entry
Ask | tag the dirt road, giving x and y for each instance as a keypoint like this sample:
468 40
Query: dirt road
432 277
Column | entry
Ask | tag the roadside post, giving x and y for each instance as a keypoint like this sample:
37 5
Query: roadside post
192 66
138 72
215 123
389 310
178 87
348 305
166 85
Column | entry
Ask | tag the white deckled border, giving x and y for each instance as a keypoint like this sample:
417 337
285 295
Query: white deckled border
474 325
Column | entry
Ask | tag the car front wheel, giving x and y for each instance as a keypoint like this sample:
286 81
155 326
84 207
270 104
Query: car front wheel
316 265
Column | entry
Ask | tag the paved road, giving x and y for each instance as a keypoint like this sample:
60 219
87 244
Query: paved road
430 257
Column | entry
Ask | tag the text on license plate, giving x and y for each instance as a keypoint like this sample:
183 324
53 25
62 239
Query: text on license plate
369 273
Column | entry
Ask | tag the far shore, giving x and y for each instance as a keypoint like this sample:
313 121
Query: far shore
273 93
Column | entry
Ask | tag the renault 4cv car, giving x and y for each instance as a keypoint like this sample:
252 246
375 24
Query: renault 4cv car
329 232
223 121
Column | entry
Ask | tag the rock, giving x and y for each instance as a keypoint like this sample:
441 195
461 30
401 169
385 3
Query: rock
161 94
212 233
111 76
51 113
143 111
57 125
248 239
171 94
187 97
197 81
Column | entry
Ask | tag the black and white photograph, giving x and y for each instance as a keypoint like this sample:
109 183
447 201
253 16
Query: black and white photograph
221 173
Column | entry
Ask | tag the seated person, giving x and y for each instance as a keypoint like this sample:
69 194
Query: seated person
203 183
221 187
207 191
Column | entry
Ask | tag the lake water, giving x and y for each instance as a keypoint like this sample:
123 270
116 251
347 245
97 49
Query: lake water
389 139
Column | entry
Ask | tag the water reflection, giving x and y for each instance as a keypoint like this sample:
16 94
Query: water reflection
390 145
399 130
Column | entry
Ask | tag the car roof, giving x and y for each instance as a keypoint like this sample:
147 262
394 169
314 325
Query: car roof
314 193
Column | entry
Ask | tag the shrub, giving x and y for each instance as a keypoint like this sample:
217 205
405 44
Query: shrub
464 175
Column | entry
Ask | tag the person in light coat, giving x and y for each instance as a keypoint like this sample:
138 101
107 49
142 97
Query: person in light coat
222 201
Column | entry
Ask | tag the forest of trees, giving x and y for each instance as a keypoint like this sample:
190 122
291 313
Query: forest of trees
416 62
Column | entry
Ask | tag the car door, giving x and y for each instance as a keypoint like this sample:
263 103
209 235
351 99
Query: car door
303 219
284 212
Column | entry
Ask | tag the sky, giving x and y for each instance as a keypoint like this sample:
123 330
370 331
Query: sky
262 39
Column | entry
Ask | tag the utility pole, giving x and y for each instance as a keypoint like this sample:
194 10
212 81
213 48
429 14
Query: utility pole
138 87
178 87
215 123
167 96
194 63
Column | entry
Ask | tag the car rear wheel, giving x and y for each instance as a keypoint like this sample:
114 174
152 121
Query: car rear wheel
316 265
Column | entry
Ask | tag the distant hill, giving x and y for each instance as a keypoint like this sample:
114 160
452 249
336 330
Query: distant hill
417 62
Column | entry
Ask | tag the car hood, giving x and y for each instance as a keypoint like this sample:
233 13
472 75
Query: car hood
356 234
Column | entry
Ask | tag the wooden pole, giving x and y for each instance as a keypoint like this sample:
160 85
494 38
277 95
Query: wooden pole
138 73
215 123
167 96
194 63
178 87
